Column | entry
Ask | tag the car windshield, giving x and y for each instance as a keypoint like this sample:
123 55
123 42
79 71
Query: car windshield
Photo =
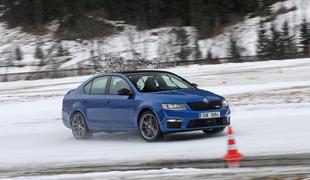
153 81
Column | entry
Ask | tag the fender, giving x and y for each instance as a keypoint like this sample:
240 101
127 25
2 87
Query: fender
153 110
77 107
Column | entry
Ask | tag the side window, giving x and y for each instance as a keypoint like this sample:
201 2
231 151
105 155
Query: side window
87 87
141 83
99 85
118 83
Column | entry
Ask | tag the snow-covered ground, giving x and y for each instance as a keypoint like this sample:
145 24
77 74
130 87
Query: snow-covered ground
270 109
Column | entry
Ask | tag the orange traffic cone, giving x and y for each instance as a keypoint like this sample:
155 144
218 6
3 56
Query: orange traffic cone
232 157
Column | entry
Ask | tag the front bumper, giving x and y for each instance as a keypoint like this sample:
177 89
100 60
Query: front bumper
189 120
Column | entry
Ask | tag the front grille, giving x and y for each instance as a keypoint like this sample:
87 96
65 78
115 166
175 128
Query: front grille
197 123
202 106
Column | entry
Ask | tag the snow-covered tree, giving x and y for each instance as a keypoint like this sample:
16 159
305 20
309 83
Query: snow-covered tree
38 54
61 51
305 38
182 40
162 49
18 54
275 49
94 56
209 54
196 50
287 44
234 49
263 43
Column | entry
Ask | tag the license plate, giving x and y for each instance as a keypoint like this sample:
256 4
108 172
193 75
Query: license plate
210 115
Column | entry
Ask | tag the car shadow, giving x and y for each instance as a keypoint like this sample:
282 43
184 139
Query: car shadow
119 136
134 137
188 136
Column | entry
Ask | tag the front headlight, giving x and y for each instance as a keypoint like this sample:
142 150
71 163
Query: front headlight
224 103
173 107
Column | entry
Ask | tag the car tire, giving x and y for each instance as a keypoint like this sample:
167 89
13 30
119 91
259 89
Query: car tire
149 128
79 127
213 131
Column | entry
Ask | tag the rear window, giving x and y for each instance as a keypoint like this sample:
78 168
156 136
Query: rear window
99 85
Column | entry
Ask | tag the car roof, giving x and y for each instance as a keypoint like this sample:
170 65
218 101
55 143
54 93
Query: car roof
141 71
126 73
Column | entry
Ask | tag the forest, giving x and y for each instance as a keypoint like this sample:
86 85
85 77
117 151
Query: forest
208 16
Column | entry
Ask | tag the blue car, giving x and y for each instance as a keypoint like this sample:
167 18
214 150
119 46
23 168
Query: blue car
154 103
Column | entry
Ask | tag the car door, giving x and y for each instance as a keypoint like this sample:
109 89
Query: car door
95 102
120 108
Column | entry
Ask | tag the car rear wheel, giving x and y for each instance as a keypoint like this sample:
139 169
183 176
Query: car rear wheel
213 131
149 127
79 127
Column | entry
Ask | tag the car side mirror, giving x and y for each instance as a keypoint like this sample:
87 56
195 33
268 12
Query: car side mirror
125 92
195 85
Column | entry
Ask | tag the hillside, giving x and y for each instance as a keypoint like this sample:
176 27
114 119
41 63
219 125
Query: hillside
292 11
23 51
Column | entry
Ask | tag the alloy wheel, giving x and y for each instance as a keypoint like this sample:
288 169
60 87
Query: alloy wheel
149 127
79 127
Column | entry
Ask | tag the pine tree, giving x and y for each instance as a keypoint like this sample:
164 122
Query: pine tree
60 50
196 50
287 41
182 40
275 49
18 54
94 57
234 49
305 38
38 54
209 54
262 48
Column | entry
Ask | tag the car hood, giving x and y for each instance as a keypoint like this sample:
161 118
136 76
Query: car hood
181 95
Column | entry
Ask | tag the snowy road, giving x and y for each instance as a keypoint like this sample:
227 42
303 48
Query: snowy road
270 113
294 166
185 174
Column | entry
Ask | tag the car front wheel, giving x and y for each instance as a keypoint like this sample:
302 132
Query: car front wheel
79 127
149 127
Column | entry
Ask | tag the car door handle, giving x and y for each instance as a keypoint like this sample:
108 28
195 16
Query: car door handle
83 101
108 101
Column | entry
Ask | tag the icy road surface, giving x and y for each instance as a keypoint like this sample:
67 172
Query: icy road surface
270 104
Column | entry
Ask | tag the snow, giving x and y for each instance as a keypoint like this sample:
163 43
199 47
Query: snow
32 132
255 87
249 74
